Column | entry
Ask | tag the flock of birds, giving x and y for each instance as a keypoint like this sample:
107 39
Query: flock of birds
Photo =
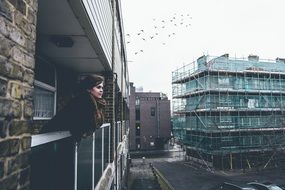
161 29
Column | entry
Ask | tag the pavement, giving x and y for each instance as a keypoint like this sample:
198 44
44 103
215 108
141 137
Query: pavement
141 176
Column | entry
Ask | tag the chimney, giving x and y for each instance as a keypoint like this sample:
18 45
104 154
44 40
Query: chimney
278 59
253 58
225 55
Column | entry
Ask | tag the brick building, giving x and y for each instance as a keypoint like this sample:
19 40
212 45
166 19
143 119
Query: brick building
149 120
45 48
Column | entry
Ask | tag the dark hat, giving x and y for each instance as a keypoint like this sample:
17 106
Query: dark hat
90 81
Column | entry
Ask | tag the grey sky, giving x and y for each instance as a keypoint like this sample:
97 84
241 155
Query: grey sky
237 27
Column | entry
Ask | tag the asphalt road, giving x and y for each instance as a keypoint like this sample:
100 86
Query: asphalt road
183 176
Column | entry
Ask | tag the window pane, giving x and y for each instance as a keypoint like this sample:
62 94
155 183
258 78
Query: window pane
152 111
44 72
138 113
138 129
138 143
43 103
137 101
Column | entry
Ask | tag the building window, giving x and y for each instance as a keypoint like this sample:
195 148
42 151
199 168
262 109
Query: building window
44 101
137 101
138 113
138 129
138 143
44 90
152 111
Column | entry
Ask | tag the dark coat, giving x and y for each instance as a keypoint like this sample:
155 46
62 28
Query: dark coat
78 117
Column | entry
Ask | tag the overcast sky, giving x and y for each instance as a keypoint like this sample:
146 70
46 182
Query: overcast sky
162 35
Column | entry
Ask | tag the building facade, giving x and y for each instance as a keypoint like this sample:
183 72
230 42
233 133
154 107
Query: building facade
149 120
229 112
46 46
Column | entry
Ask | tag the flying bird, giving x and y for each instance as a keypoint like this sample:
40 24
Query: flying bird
161 30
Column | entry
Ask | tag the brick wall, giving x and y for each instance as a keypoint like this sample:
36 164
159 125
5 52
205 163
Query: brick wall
132 138
108 96
154 128
17 50
164 114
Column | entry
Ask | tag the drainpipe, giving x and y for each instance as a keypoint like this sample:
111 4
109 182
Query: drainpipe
115 114
114 93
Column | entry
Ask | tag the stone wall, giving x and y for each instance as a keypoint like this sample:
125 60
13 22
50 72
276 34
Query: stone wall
17 50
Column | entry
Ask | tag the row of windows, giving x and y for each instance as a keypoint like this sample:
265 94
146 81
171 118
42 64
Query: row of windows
230 82
148 98
138 99
235 101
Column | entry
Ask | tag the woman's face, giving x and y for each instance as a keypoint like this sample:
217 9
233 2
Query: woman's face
97 91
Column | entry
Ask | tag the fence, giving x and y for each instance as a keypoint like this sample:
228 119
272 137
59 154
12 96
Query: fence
59 163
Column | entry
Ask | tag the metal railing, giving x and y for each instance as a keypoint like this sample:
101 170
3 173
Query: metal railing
60 163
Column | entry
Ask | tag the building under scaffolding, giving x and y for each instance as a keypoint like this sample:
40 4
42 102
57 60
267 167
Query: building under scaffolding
229 112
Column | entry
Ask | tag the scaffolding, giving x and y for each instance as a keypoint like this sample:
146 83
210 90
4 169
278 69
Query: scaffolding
230 111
